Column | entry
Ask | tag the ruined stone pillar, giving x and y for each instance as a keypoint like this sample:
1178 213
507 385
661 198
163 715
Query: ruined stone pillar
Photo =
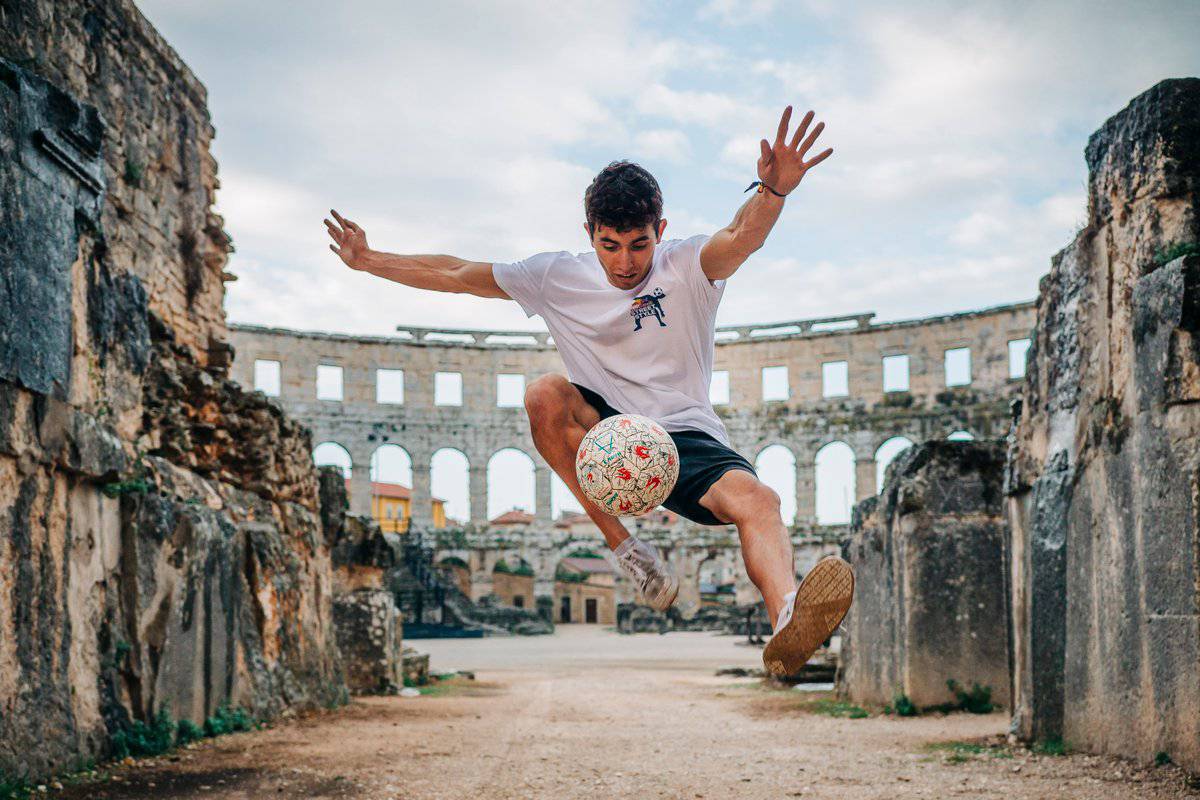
421 504
541 475
477 476
864 478
806 492
360 483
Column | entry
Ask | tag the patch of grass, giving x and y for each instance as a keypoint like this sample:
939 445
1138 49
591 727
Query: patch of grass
187 732
118 488
958 752
977 701
974 748
1169 253
838 708
134 172
903 706
1049 747
12 788
141 739
459 686
228 720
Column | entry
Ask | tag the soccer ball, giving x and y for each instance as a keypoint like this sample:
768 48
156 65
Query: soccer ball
627 464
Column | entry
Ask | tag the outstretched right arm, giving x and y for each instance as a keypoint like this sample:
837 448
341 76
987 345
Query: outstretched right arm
436 273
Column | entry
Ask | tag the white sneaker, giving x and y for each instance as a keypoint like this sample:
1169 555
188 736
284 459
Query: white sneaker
649 573
811 615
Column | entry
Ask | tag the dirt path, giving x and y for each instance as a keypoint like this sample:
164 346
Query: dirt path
590 714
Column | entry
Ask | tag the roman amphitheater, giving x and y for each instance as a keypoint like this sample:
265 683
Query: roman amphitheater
828 402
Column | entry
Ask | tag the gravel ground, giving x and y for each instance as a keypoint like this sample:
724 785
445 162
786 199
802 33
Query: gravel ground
588 713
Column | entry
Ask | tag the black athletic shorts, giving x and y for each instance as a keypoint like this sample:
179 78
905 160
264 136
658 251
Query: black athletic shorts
702 459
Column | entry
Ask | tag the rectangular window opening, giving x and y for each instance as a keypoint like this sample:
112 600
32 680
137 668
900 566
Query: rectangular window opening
329 382
835 379
774 383
958 366
718 389
447 388
266 376
510 390
389 386
1018 353
895 373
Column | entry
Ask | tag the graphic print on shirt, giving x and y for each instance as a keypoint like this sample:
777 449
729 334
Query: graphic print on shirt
648 305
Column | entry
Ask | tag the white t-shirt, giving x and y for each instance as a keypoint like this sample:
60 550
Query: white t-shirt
646 350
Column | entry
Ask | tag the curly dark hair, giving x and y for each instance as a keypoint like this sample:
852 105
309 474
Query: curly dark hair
623 196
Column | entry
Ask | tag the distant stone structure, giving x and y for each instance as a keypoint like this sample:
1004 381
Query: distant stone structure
931 599
863 415
1104 472
365 613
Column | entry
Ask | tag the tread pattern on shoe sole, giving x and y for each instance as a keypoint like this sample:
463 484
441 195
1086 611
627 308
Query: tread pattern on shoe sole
822 601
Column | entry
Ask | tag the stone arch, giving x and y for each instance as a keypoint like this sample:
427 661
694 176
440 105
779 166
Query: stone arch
391 463
885 454
450 480
511 481
834 466
457 567
776 467
335 454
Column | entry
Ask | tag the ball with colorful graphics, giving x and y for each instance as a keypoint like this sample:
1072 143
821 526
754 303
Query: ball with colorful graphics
627 464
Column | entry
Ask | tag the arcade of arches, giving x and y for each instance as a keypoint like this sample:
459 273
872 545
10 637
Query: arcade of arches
430 432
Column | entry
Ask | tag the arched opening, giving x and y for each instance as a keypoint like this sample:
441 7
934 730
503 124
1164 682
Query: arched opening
835 483
449 479
390 463
561 498
961 436
510 482
332 453
458 571
776 467
391 488
886 454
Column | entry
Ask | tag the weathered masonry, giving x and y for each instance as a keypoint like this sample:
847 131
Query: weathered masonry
814 387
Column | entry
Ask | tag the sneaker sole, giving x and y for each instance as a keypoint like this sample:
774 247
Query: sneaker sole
821 604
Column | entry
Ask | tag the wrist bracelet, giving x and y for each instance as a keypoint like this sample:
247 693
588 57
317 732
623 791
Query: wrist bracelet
761 186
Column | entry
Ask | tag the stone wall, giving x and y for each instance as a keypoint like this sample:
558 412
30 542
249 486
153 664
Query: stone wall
930 595
161 538
369 628
803 423
1104 474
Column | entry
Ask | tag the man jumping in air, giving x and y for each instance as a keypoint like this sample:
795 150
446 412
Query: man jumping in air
594 305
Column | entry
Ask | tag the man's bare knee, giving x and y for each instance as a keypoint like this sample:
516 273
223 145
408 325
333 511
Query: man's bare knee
747 498
549 401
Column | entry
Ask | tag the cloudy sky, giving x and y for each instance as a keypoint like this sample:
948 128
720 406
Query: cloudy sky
473 129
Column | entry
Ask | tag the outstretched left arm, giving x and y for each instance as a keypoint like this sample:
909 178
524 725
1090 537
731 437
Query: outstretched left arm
781 168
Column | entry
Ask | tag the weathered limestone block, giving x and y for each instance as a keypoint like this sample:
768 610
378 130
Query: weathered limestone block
161 544
368 632
416 667
1104 468
930 595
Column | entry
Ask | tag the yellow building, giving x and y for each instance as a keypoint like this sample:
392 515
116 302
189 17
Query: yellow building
391 507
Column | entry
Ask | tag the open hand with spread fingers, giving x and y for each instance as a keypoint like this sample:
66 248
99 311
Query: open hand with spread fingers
782 166
350 240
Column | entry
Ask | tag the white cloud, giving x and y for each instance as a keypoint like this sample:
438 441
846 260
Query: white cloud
737 12
663 144
473 129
